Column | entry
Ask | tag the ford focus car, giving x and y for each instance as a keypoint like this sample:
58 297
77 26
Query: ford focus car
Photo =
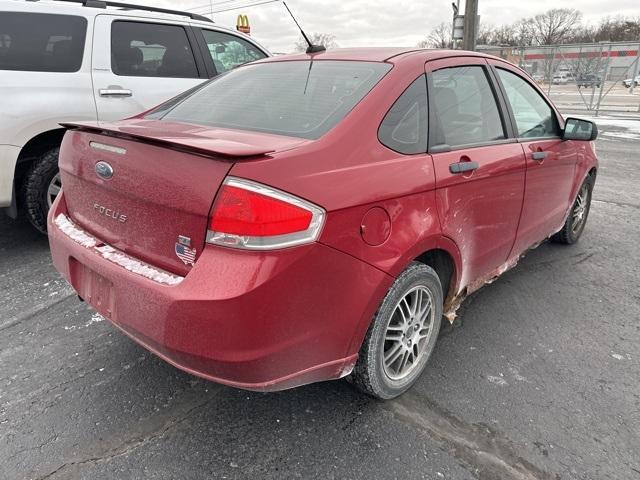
312 217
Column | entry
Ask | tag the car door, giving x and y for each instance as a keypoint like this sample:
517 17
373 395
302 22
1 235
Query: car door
550 162
139 64
480 168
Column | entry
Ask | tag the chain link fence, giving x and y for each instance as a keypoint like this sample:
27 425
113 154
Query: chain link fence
595 78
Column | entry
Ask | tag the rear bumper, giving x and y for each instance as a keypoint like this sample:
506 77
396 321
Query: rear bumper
254 320
8 158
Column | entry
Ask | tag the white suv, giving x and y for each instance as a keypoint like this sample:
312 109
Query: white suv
72 60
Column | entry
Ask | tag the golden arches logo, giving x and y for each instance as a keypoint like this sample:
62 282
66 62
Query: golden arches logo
242 24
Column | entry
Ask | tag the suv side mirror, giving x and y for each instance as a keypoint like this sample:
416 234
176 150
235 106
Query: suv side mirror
578 129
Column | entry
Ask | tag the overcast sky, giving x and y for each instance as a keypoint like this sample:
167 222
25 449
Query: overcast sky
382 22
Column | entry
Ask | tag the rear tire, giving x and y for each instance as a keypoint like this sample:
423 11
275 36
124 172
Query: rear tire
402 335
577 219
40 187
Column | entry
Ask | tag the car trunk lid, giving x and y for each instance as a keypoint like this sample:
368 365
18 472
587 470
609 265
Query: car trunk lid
146 188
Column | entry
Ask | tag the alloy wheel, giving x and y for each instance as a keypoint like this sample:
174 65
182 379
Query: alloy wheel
408 333
580 208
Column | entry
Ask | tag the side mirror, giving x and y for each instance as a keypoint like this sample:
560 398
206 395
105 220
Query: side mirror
578 129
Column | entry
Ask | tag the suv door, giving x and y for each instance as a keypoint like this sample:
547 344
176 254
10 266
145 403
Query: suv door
139 64
480 168
550 161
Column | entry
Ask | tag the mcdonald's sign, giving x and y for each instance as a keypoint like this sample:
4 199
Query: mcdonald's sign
242 24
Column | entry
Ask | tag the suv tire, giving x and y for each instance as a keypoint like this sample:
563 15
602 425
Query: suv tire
35 188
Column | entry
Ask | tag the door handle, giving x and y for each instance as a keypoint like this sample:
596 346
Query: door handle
115 92
462 167
538 156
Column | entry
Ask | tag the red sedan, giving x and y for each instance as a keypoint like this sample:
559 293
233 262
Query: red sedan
312 217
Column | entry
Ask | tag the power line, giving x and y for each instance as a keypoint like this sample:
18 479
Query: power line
208 6
245 6
228 5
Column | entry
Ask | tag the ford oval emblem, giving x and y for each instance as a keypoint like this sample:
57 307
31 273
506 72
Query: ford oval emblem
104 170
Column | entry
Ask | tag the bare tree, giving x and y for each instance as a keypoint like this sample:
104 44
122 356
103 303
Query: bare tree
326 39
618 29
555 26
440 37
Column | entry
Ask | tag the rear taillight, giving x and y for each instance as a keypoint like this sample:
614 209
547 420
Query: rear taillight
253 216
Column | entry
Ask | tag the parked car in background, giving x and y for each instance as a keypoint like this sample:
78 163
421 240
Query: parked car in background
560 79
631 81
311 217
538 77
588 80
62 61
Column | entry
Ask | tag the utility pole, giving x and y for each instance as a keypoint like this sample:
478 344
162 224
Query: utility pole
456 9
470 25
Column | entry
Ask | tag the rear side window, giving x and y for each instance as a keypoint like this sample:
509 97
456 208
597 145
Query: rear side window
36 42
294 98
534 117
151 50
228 51
465 107
404 128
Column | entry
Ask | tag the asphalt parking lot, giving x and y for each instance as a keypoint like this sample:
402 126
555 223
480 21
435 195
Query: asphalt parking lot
537 379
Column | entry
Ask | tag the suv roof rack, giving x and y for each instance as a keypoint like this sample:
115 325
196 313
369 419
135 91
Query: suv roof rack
130 6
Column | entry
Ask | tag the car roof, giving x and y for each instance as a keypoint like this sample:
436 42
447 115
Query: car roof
378 54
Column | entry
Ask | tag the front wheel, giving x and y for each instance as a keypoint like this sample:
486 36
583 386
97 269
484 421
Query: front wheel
577 219
402 335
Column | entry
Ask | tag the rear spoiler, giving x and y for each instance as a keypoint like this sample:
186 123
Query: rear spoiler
198 145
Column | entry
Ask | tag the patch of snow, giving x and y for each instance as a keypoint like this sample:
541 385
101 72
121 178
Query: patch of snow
95 318
72 231
109 253
516 374
497 380
617 356
625 135
136 266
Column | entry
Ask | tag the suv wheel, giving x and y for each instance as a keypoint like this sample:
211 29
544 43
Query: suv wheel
402 335
40 188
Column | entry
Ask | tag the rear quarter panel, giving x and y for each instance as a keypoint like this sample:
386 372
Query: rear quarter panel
348 172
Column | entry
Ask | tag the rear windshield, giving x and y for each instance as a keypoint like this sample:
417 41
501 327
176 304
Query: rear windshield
36 42
296 98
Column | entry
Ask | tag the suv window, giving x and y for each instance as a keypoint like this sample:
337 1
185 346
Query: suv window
151 50
404 128
228 51
534 117
294 98
465 107
37 42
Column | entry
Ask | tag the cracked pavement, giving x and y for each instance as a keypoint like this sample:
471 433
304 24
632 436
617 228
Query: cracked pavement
537 379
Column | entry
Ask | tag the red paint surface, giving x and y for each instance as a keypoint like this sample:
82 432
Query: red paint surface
276 319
